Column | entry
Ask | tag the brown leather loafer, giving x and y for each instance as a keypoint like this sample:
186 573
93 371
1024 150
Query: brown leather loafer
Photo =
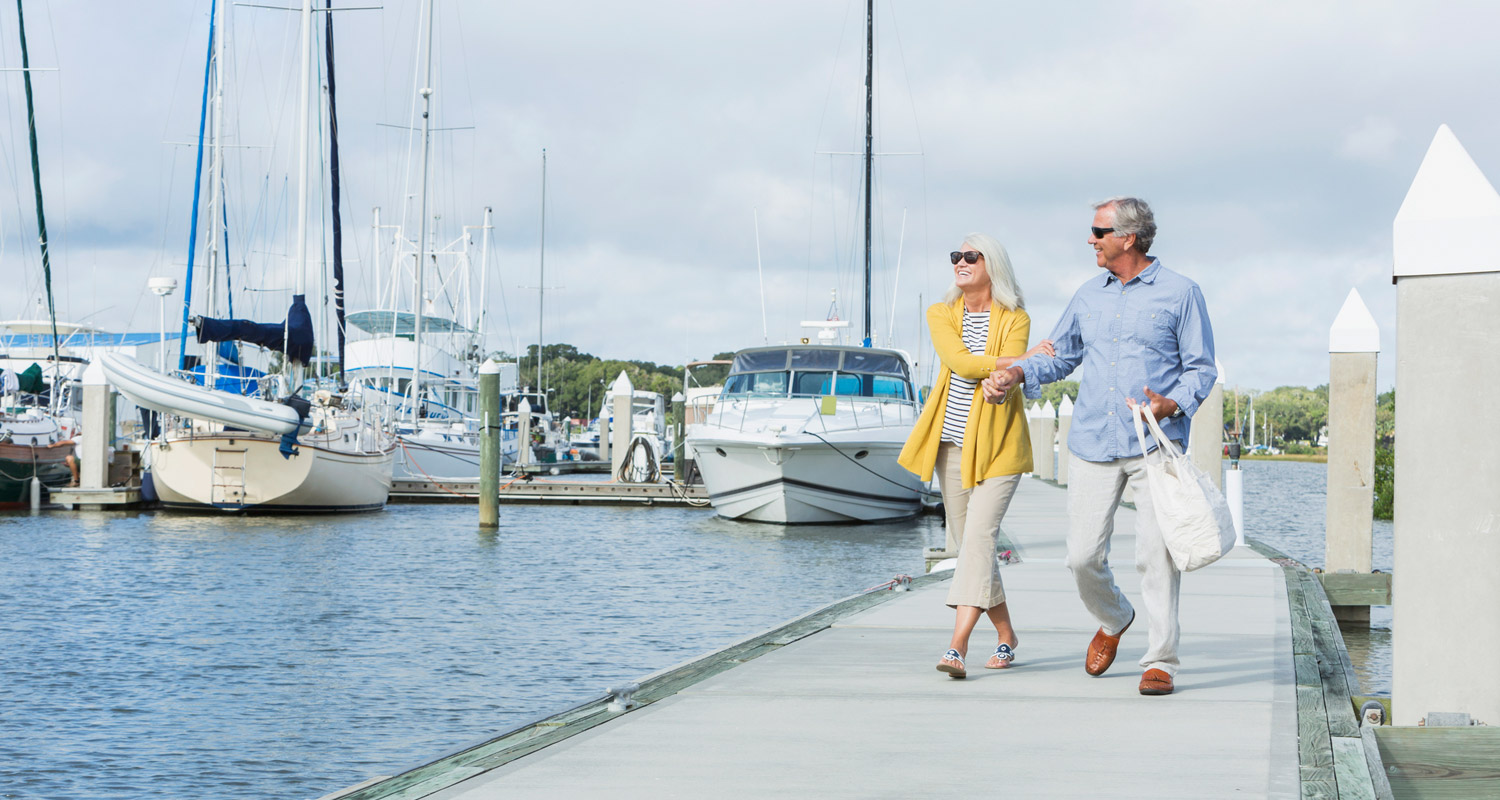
1156 681
1102 650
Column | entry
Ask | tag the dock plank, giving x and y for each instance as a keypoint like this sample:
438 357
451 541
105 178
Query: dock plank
1441 763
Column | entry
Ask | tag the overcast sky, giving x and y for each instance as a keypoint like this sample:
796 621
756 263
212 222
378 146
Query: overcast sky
1275 141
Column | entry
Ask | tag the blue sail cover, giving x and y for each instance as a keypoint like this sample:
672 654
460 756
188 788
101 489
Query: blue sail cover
231 378
296 333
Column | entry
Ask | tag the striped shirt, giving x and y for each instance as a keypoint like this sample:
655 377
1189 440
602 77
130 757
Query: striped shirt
960 390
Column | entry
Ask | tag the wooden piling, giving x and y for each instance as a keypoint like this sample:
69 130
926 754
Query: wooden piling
489 444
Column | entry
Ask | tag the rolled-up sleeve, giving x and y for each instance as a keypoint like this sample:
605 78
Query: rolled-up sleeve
1195 346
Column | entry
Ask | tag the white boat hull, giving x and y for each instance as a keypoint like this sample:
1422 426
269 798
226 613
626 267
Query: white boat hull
802 480
244 472
431 457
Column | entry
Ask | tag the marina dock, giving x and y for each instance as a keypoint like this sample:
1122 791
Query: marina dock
526 489
846 701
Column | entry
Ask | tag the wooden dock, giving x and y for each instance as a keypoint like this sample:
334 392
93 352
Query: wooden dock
528 489
846 702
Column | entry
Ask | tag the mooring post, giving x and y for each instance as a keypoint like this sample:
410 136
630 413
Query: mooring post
1045 426
679 426
523 434
1353 346
1446 636
98 432
489 444
1064 424
622 392
1206 432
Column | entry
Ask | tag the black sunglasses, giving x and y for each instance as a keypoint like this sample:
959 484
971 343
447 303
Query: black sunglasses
968 256
1100 233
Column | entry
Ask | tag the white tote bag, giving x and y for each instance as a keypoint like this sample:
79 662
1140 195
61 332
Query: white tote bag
1192 513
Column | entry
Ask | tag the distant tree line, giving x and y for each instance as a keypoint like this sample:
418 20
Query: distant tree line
576 382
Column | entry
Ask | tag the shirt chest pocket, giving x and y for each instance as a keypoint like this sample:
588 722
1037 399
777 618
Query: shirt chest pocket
1157 330
1088 326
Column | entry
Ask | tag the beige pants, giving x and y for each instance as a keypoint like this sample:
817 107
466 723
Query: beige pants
973 524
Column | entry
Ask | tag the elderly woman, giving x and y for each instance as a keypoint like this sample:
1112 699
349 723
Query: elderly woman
978 449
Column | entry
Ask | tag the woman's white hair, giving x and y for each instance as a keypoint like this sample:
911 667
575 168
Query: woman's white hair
1003 287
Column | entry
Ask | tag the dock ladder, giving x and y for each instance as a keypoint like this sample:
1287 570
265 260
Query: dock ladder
228 476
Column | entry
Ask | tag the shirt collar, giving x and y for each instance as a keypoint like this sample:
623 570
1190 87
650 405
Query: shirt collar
1148 275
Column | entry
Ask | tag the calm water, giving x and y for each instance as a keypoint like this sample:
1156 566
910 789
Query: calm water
1285 508
173 656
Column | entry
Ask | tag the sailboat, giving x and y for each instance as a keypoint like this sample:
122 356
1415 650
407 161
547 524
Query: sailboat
420 367
810 433
35 442
223 450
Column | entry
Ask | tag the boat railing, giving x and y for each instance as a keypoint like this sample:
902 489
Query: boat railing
849 412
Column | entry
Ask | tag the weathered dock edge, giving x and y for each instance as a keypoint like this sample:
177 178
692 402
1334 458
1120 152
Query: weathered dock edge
469 760
1336 761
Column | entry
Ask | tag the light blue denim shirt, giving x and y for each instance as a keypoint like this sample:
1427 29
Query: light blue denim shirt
1152 331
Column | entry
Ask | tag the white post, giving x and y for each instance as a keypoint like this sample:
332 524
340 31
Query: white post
1446 636
1043 456
523 433
161 287
93 470
1353 346
1206 432
621 394
1064 424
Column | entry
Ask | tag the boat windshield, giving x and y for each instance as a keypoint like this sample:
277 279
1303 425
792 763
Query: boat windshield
816 372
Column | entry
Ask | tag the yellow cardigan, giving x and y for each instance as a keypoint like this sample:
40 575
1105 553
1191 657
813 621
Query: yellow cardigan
997 440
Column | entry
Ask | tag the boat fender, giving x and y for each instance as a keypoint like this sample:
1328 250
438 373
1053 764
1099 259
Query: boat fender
289 440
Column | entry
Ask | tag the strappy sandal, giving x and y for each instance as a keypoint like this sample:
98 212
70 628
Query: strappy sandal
953 672
1007 656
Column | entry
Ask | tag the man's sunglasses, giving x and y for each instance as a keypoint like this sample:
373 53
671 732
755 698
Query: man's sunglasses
968 256
1100 233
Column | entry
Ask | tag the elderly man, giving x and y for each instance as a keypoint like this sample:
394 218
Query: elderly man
1139 328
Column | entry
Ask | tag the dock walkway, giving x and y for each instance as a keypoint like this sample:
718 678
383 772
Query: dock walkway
857 710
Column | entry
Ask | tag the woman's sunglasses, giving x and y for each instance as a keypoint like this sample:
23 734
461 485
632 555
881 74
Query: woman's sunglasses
968 256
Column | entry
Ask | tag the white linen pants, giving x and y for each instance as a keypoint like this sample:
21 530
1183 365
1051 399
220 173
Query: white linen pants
1094 490
973 518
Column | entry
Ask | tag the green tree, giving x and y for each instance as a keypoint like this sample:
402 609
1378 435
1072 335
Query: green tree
1053 392
1296 413
1385 455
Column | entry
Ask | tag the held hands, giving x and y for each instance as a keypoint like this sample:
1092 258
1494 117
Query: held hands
999 382
1161 407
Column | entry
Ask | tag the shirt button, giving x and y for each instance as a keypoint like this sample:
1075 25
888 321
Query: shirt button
1111 413
1117 316
1111 363
1111 388
1117 338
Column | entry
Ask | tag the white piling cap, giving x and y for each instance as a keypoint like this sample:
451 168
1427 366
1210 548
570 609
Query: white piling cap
1450 219
621 385
524 407
678 398
1354 330
93 375
1218 368
489 367
1065 408
1047 411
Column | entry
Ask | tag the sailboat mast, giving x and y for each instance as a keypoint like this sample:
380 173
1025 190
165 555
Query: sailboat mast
304 133
41 219
417 300
215 196
541 286
869 142
334 177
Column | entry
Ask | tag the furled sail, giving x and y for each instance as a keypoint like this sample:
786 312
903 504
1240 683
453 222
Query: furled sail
293 337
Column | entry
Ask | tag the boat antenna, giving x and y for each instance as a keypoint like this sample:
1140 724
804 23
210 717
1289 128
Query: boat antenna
890 335
41 219
764 331
541 286
869 142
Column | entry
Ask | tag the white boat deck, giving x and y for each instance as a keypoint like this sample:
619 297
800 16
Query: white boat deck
859 711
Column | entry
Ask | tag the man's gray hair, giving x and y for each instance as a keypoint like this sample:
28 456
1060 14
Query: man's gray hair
1132 215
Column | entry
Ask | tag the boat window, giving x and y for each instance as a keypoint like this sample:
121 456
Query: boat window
883 386
757 383
815 359
884 363
759 360
812 383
